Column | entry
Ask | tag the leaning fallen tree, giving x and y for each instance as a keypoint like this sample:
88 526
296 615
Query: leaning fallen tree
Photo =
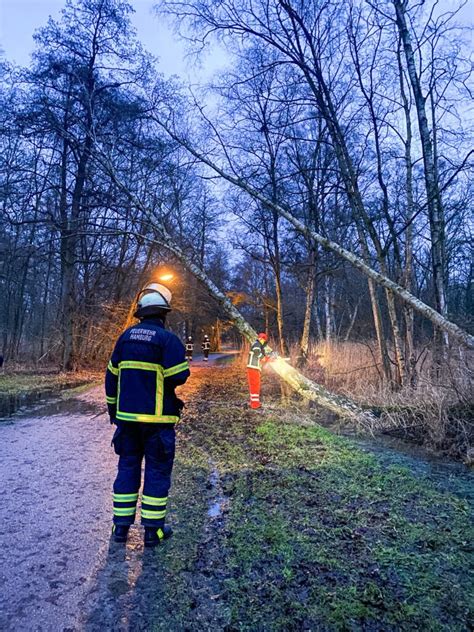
309 390
305 387
402 293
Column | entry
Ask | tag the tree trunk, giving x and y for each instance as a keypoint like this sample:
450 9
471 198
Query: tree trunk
435 208
279 314
45 296
425 310
310 286
328 310
352 321
276 264
397 341
408 267
67 256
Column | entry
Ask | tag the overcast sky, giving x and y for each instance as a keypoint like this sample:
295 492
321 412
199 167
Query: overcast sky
20 18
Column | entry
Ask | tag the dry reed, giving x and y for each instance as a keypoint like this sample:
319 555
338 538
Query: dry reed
435 410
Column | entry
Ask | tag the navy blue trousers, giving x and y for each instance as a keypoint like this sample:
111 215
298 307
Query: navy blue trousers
155 443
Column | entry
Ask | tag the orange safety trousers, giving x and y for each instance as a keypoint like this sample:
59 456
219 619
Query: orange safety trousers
253 376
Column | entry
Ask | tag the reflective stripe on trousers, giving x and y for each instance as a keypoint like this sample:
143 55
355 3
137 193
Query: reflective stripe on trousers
253 376
156 444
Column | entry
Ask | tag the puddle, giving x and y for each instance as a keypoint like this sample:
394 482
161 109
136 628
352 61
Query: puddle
216 504
9 404
444 474
43 404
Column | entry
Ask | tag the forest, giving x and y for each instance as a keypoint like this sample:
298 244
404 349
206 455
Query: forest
304 193
321 185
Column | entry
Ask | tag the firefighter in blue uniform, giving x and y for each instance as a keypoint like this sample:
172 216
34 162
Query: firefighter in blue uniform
146 366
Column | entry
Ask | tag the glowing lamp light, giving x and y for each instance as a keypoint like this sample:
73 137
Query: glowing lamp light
166 277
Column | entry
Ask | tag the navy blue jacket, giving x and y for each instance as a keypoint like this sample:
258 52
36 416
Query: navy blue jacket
147 364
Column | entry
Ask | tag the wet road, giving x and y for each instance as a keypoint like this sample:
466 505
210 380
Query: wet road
56 470
58 569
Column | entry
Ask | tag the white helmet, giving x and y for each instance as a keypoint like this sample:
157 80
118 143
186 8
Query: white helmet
153 299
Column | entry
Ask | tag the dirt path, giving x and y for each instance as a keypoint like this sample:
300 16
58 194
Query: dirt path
58 568
279 525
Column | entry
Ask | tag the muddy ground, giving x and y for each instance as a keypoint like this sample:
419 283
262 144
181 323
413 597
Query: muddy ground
279 525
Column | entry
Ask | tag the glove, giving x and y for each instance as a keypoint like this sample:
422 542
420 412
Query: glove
112 410
180 404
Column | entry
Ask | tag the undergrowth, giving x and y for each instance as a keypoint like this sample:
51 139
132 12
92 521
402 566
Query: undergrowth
13 384
436 409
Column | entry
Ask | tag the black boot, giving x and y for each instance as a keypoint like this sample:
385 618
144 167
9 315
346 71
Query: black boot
154 536
120 532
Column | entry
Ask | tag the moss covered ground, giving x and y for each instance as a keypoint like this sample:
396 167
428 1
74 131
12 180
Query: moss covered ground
281 525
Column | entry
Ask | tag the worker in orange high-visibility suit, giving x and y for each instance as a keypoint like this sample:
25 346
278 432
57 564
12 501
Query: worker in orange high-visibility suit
258 355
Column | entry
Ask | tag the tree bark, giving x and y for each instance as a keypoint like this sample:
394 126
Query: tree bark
328 311
310 286
408 267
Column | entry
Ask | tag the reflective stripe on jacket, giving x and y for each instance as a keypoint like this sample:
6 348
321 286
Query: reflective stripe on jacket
147 364
257 354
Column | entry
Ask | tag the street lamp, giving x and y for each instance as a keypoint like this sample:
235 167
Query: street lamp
166 277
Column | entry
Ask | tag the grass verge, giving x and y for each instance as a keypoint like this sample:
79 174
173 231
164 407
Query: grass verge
12 384
315 534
